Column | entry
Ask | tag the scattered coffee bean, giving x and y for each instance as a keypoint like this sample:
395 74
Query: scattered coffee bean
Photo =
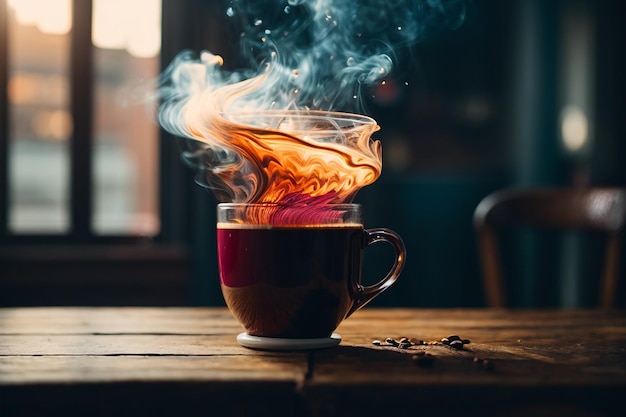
392 341
456 344
455 341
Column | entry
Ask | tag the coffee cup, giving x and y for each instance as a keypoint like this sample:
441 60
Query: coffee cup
293 273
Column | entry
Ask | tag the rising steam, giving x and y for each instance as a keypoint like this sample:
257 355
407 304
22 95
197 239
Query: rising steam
306 57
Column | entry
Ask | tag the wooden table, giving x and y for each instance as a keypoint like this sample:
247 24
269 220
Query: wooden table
186 362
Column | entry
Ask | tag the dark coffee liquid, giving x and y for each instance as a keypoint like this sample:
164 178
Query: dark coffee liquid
290 281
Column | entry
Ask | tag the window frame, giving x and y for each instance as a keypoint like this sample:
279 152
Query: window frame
80 144
66 268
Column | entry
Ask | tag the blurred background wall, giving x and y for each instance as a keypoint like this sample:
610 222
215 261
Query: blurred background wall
523 93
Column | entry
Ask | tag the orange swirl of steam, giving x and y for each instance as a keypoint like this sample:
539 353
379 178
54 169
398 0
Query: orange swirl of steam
310 153
285 152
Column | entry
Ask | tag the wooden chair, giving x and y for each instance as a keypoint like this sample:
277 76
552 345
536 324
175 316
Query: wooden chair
582 209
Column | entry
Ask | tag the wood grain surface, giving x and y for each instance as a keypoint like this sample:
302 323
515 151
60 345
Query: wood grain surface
186 361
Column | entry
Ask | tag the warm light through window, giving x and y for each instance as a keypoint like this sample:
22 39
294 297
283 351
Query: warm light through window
132 25
40 120
53 17
126 35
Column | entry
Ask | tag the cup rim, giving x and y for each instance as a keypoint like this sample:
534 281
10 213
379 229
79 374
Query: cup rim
290 215
295 206
356 121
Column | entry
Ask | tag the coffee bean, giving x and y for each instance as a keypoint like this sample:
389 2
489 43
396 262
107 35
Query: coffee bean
391 341
445 341
456 344
466 341
405 340
377 342
453 337
404 345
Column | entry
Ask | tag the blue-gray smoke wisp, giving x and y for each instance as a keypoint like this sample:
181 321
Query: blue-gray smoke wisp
301 55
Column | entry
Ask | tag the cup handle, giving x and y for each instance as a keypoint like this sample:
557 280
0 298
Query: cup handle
365 294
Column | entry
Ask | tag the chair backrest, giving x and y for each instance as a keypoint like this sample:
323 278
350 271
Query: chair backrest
582 209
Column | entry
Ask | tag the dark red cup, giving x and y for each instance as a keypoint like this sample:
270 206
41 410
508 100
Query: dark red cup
294 271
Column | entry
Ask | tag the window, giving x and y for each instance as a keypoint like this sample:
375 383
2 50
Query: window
79 144
81 216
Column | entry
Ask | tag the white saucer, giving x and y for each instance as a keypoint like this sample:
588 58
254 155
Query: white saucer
275 343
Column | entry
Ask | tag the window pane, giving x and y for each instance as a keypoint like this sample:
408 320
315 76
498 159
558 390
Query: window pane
40 123
127 40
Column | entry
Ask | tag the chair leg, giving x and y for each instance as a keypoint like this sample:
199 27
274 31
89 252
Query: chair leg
492 275
608 288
